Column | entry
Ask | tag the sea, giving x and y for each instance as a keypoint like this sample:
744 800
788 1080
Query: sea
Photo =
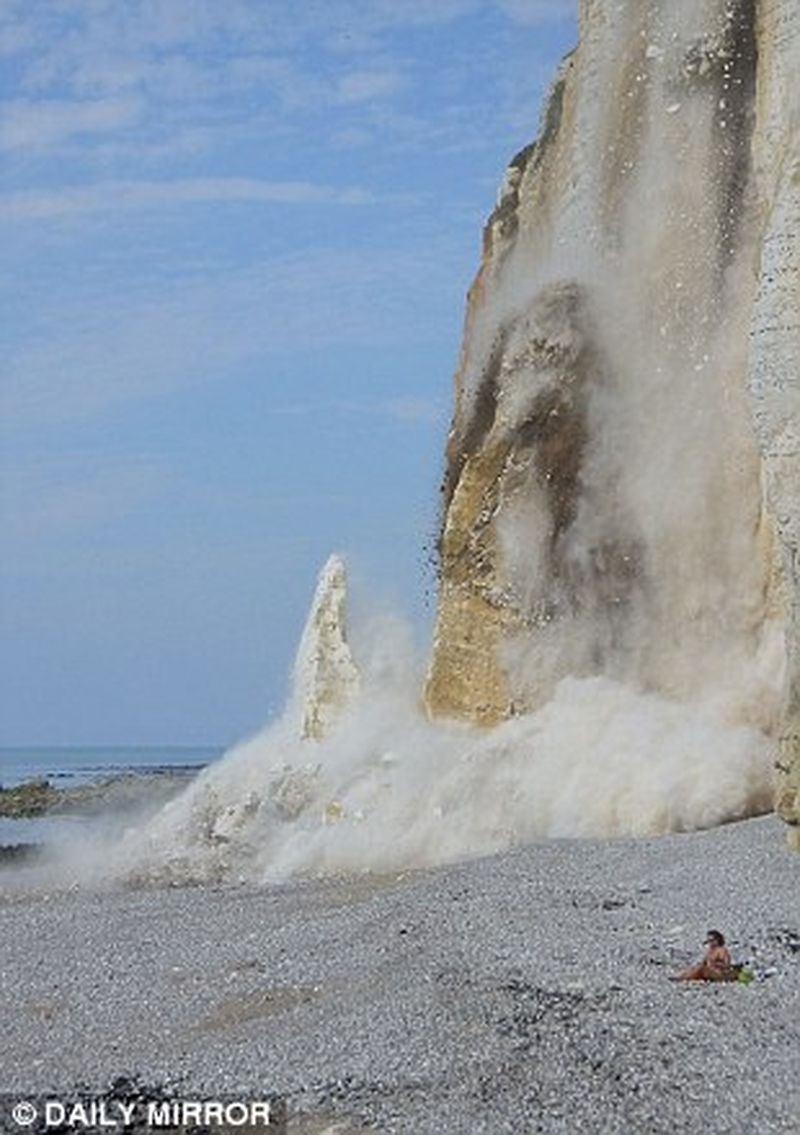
76 766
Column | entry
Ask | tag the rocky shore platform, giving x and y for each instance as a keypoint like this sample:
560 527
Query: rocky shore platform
128 792
121 790
522 992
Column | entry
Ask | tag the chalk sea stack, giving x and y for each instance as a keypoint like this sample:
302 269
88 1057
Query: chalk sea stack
326 679
622 488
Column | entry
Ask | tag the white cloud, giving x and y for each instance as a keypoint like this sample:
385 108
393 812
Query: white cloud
15 39
408 411
95 354
45 124
242 69
119 196
416 410
44 497
364 86
382 14
352 138
537 11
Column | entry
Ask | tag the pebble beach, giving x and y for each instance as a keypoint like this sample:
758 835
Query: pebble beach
526 991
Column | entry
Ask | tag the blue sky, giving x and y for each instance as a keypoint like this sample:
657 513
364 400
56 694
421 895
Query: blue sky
237 237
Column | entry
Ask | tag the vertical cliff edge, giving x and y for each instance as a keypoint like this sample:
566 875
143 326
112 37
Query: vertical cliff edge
622 488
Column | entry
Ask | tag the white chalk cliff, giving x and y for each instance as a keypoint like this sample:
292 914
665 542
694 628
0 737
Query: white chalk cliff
622 495
618 629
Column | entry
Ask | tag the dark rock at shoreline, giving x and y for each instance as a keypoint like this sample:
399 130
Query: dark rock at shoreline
39 797
14 854
33 798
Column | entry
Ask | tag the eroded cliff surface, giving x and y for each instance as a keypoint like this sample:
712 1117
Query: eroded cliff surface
774 372
623 468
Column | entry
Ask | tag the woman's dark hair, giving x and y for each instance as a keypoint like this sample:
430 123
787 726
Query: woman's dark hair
715 937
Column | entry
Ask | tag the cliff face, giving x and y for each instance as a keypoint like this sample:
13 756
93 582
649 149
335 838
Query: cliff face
622 494
774 371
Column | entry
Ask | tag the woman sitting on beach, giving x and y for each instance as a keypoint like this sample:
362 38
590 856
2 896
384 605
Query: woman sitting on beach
716 964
